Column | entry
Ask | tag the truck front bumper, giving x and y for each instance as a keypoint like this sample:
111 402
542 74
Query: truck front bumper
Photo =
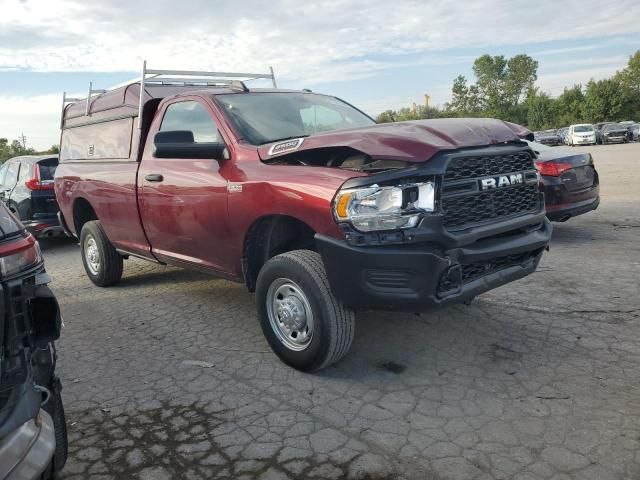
27 451
421 276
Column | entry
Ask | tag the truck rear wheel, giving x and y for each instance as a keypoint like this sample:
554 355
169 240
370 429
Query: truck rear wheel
101 261
305 325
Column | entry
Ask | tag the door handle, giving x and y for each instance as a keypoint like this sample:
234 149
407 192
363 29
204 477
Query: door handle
154 177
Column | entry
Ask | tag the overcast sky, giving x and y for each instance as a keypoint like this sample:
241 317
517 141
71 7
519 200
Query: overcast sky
377 54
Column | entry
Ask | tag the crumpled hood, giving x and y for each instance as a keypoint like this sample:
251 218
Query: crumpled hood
415 141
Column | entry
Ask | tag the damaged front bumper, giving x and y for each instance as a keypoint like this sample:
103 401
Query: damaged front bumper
419 276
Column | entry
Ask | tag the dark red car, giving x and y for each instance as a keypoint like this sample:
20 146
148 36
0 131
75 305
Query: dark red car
301 197
569 181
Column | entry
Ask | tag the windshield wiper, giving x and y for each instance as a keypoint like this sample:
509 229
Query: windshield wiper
285 138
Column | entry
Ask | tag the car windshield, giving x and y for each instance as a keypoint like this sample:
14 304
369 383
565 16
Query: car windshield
612 126
264 117
583 128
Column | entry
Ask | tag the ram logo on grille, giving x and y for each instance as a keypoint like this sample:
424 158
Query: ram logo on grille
501 181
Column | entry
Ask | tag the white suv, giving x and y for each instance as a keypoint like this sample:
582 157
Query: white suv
582 134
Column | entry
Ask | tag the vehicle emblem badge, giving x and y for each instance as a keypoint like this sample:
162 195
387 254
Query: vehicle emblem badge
501 181
288 146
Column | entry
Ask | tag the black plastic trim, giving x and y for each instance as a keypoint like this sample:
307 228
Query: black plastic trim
420 267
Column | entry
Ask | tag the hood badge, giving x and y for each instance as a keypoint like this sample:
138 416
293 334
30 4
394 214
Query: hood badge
501 181
288 146
234 187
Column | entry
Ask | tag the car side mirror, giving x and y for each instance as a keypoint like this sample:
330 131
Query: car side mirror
180 144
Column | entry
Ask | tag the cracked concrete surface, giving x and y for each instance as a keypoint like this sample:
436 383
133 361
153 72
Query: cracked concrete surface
168 375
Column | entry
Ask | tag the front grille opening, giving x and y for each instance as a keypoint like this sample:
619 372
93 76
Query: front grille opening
484 166
467 273
494 204
465 204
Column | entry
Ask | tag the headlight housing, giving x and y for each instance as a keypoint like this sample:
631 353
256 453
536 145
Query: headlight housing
376 208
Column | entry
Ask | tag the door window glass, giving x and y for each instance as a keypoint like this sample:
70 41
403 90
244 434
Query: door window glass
12 174
3 172
24 173
191 116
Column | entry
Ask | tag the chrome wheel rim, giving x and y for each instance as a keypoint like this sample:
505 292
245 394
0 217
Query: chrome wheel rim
92 255
290 314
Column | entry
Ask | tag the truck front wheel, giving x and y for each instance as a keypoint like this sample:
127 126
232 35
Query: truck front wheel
305 325
101 261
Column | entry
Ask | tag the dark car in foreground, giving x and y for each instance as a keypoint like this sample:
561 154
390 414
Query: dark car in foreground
548 137
33 437
614 133
569 181
26 187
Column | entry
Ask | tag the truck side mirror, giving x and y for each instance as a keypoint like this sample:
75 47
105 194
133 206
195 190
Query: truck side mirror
180 144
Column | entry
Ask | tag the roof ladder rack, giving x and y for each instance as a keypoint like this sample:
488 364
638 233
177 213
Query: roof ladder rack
173 77
90 94
66 100
189 77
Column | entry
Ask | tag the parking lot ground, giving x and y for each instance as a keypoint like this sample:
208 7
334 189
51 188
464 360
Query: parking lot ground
167 375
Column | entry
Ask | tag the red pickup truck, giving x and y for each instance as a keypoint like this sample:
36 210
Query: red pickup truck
300 196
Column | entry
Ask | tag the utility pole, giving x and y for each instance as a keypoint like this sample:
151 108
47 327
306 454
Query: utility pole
24 140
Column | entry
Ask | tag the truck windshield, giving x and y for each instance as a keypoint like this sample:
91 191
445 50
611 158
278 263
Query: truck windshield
264 117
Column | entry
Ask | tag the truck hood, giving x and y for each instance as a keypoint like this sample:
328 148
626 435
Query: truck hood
414 141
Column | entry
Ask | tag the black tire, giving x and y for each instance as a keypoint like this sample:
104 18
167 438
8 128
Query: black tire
333 324
109 267
55 409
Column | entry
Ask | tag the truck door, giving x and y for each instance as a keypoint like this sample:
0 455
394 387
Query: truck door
183 202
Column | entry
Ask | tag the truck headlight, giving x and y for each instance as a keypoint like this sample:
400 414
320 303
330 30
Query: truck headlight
376 208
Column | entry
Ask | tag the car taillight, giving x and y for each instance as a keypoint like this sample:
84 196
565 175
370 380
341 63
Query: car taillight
553 169
34 183
19 256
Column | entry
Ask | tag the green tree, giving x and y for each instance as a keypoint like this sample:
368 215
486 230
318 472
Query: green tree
54 149
5 150
569 105
520 78
541 110
387 116
500 89
630 79
630 76
465 99
604 100
491 75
